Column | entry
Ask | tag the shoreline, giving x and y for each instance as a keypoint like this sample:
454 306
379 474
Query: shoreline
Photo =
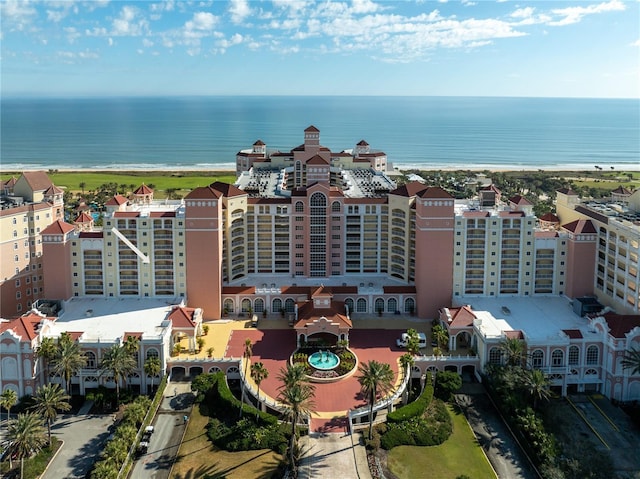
227 170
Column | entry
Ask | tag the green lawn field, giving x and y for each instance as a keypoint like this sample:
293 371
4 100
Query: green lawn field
460 454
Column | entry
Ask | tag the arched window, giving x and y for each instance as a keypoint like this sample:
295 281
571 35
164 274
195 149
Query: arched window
361 305
557 358
593 355
289 305
152 353
335 207
276 305
91 360
299 207
349 304
258 305
246 305
591 372
392 305
574 355
214 369
495 356
537 359
409 305
318 199
379 305
228 305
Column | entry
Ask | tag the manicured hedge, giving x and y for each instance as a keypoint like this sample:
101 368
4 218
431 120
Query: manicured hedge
416 408
229 406
430 430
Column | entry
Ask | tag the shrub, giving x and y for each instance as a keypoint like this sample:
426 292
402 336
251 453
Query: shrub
416 408
447 382
431 430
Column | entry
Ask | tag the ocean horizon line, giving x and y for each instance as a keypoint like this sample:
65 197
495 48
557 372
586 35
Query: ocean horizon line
103 96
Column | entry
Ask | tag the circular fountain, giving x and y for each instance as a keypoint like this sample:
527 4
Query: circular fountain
324 360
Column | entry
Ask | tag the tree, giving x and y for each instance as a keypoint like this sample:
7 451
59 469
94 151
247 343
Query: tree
376 380
631 360
413 342
407 359
82 186
447 382
514 351
26 436
536 384
69 360
296 395
440 335
152 367
47 351
119 363
248 351
104 470
132 345
258 374
50 399
8 399
292 375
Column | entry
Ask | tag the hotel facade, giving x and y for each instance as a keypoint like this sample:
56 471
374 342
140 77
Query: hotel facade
313 218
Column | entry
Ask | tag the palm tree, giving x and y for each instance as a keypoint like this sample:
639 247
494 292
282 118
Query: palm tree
514 350
104 470
248 351
292 375
440 335
69 360
50 399
47 351
82 186
631 361
376 380
8 399
120 363
297 399
26 436
258 374
152 367
407 359
132 344
536 384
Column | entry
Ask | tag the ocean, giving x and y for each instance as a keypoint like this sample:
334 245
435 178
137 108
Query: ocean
416 132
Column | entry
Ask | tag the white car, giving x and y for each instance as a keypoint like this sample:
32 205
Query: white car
404 339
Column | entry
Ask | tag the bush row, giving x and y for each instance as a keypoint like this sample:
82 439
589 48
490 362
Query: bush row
246 435
416 408
431 430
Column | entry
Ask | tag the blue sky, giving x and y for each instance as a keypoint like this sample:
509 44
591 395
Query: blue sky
299 47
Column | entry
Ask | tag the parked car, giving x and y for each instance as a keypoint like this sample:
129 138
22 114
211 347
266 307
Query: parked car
403 340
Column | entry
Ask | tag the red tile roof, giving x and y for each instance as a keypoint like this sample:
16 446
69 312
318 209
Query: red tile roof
203 193
126 214
59 227
182 317
162 214
620 324
143 190
621 190
550 218
259 143
53 190
307 314
475 214
399 289
25 326
83 218
514 334
573 333
117 200
434 192
520 200
317 160
545 234
567 191
412 188
37 180
226 189
91 234
238 290
311 128
580 227
511 214
363 143
461 317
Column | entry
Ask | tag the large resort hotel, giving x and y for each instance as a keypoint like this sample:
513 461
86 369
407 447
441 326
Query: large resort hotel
313 244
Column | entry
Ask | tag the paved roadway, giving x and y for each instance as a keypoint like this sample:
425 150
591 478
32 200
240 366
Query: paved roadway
169 429
504 454
84 436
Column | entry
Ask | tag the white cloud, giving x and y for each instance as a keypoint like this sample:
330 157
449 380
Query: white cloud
17 14
147 43
129 23
575 14
239 10
525 12
364 6
636 43
72 34
202 21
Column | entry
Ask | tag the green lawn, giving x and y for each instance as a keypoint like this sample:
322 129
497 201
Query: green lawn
183 181
460 454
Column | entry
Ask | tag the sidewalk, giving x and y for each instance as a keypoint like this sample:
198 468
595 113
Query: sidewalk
334 455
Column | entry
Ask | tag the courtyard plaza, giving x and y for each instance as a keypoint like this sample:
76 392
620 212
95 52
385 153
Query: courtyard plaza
273 341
